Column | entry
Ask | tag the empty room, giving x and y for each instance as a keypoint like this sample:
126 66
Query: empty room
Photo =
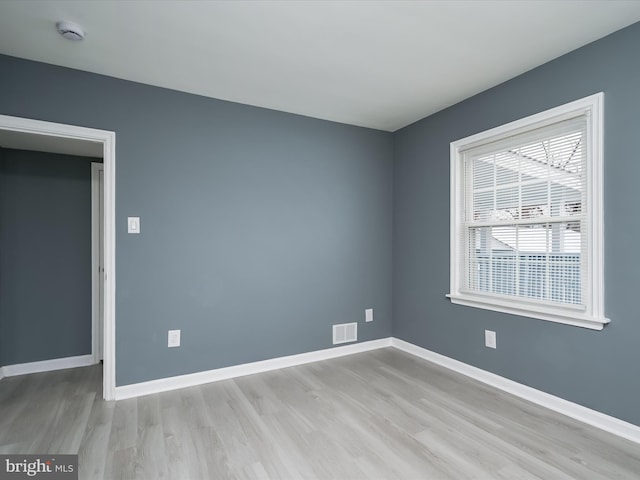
319 239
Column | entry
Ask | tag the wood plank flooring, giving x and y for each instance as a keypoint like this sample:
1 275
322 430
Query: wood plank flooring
377 415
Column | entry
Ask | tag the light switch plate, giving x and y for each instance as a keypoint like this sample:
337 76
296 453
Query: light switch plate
368 315
173 338
133 224
490 339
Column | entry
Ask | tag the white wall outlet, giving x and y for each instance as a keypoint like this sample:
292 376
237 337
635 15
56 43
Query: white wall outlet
490 339
174 338
133 224
368 315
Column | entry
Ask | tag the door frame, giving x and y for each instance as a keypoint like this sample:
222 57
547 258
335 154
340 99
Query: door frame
97 261
108 140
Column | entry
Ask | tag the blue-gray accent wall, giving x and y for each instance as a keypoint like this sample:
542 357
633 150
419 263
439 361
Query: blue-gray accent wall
45 256
259 229
597 369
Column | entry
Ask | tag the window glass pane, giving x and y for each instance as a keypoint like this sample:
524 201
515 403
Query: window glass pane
507 201
537 261
537 179
482 206
565 200
507 167
483 173
535 200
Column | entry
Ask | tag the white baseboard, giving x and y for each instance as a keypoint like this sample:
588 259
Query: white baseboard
2 375
47 365
560 405
199 378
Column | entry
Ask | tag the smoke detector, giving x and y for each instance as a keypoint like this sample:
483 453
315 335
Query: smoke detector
70 30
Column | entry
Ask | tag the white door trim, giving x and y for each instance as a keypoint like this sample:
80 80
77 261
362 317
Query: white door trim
96 261
108 140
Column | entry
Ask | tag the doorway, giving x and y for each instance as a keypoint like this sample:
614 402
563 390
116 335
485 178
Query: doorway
56 133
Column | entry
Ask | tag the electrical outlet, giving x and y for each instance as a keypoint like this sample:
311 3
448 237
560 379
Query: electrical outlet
368 315
173 338
490 339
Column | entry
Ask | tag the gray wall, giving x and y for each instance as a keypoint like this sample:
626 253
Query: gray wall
45 256
595 369
260 229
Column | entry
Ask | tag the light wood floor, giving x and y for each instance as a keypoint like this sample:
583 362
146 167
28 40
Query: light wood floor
377 415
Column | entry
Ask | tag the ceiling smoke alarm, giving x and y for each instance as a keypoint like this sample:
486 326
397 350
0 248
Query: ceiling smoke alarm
70 31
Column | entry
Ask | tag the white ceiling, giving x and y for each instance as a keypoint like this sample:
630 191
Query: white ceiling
379 64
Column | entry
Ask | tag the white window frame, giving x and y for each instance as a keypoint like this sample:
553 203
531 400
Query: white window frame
592 315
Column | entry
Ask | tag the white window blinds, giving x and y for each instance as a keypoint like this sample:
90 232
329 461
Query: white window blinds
524 214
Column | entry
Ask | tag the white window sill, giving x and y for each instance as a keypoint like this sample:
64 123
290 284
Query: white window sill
566 316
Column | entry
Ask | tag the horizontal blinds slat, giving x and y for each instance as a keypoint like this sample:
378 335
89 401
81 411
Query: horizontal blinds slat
528 222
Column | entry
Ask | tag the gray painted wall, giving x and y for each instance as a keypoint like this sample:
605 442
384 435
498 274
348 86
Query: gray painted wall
260 229
595 369
45 256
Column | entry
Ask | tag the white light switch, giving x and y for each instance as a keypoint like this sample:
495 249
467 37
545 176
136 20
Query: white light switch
174 338
133 224
368 315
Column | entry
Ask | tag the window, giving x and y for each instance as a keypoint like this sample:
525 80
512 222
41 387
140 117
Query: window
526 217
